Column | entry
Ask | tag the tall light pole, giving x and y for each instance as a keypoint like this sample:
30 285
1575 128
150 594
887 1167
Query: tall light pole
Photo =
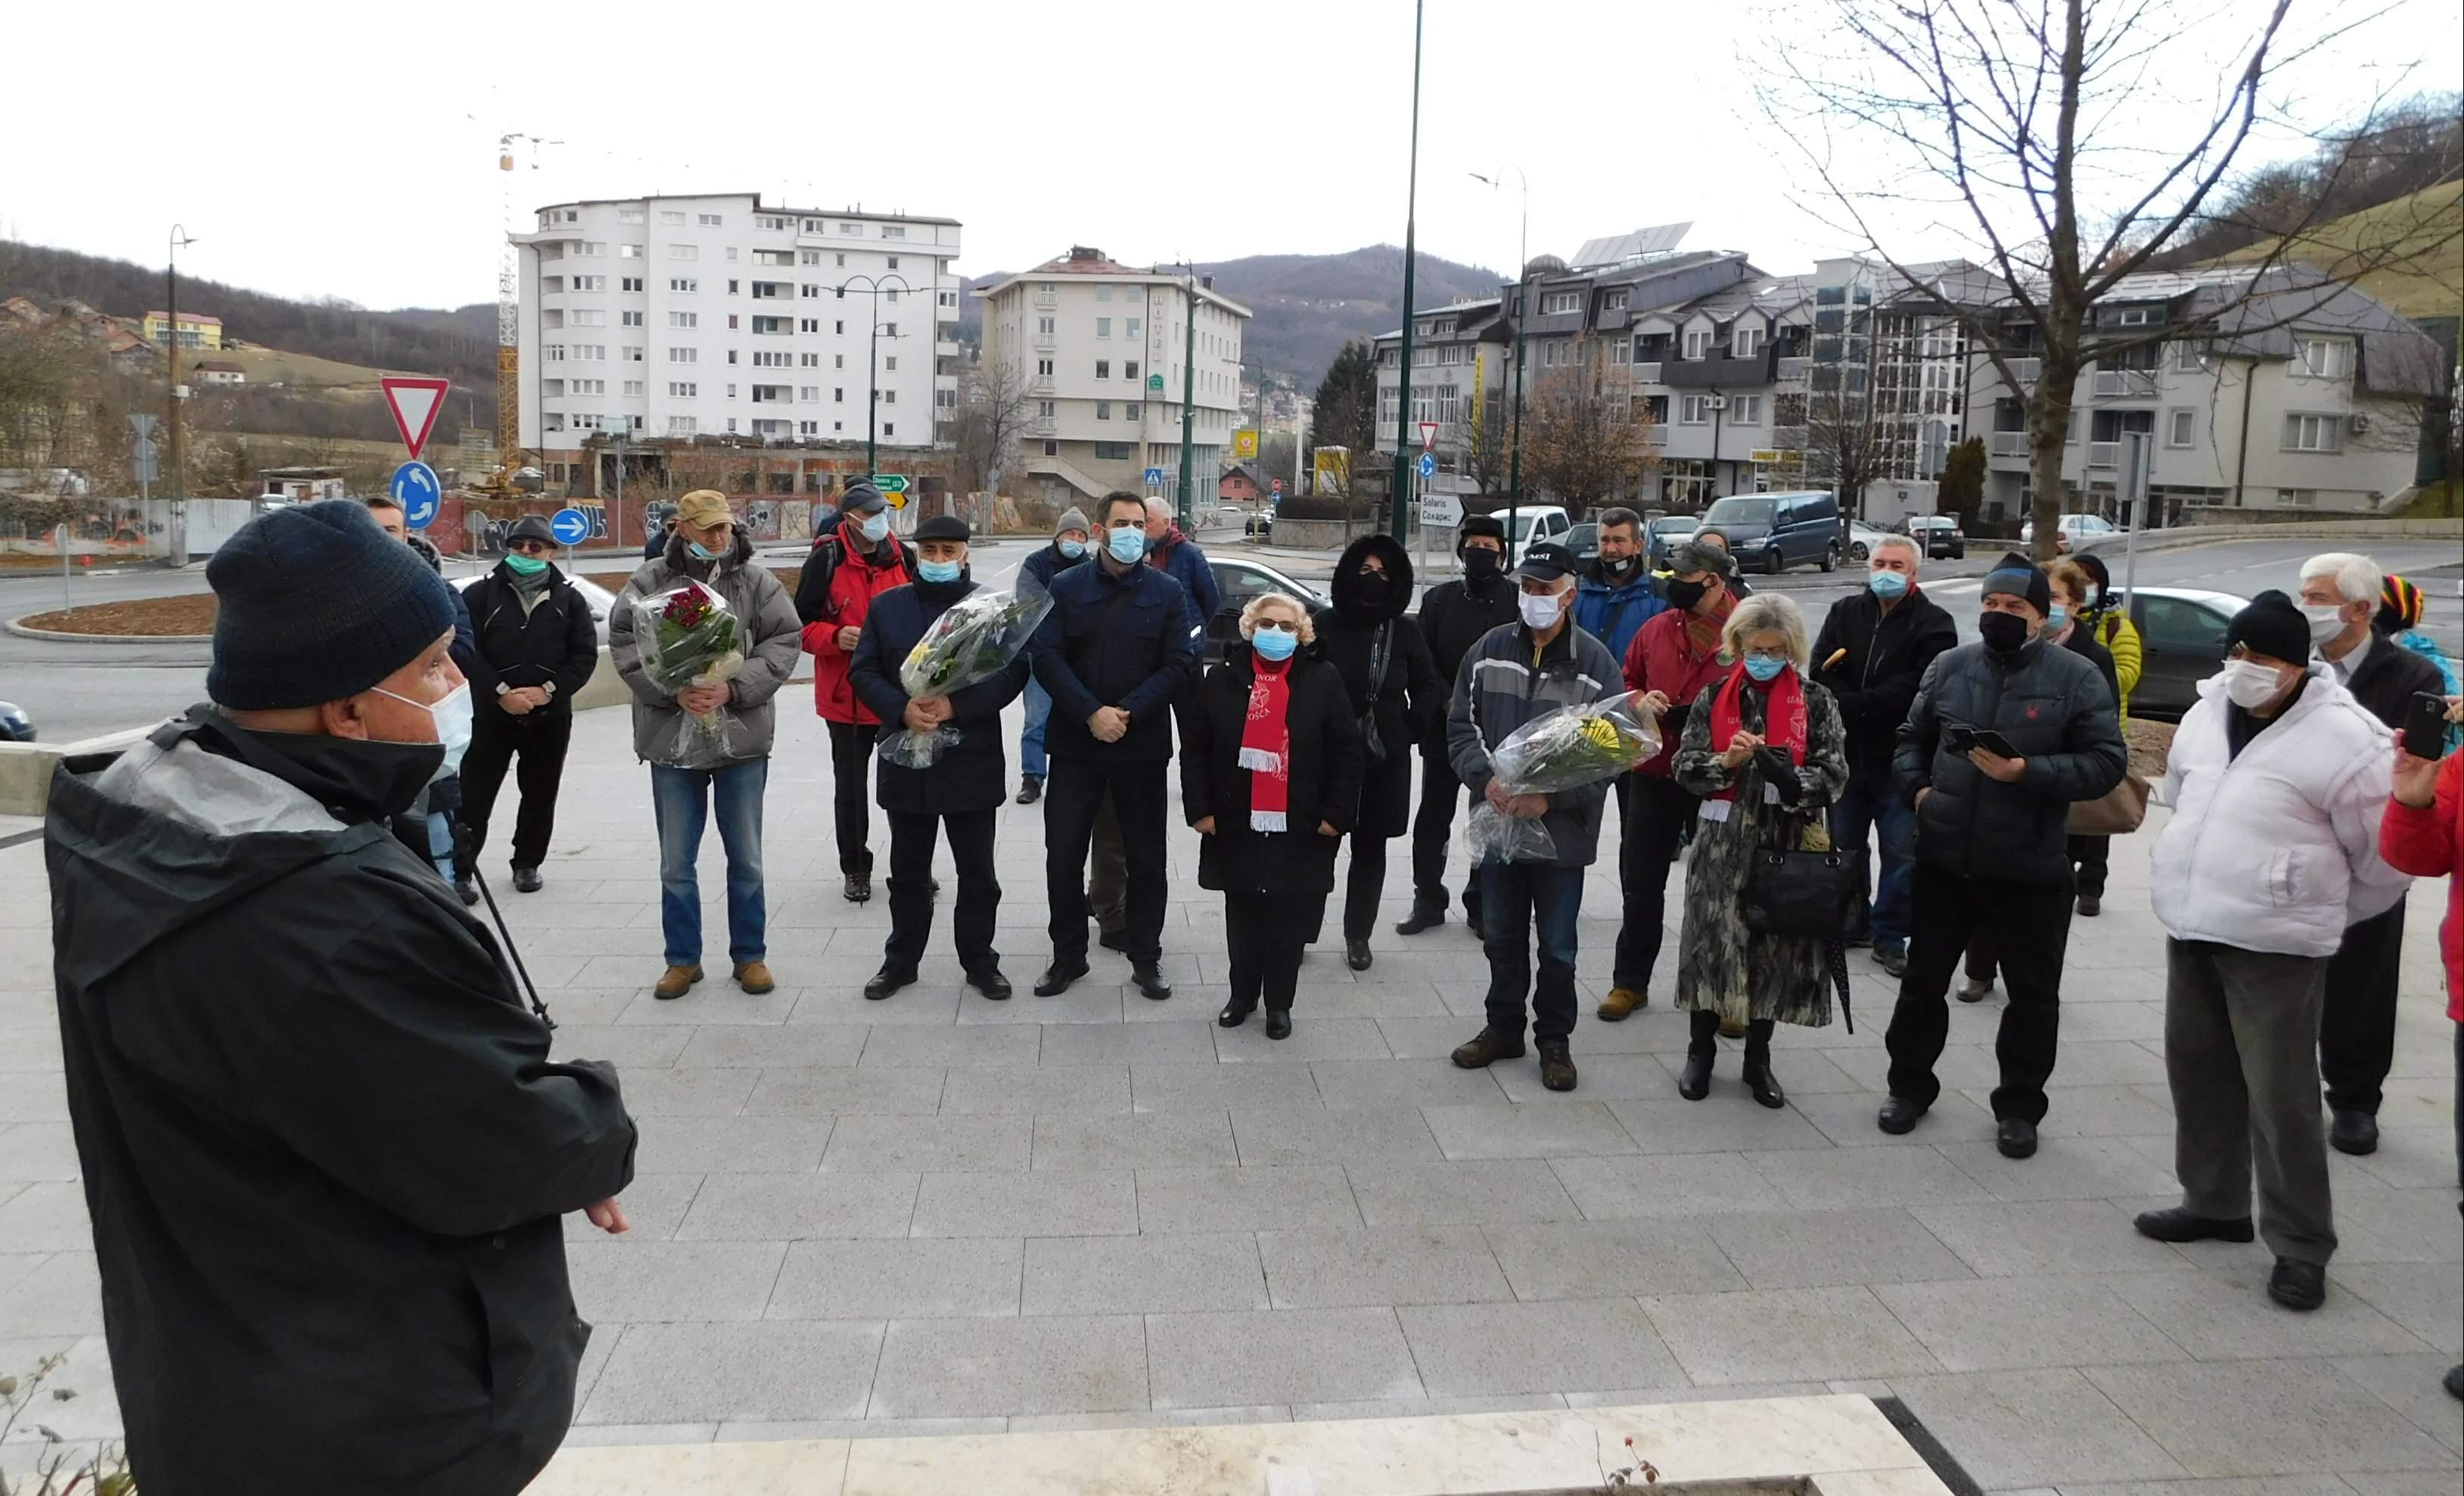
1401 484
874 286
1188 398
179 486
1522 260
1544 264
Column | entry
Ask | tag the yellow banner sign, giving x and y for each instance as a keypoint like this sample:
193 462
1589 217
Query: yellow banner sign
1244 445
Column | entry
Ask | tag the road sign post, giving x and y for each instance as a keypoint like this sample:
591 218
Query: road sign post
892 487
414 404
415 488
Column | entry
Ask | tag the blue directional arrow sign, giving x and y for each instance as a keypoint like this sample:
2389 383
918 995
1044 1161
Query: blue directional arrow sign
571 527
1428 465
414 487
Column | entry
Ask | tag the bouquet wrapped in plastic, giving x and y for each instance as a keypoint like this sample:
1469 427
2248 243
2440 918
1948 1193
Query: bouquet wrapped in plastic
973 642
1563 750
690 638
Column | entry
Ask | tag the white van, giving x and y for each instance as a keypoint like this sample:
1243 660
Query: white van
1531 522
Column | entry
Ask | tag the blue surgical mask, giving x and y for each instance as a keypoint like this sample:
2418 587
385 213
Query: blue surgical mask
1128 543
1274 644
875 526
2089 601
2057 619
1075 550
1887 585
937 571
1765 667
701 552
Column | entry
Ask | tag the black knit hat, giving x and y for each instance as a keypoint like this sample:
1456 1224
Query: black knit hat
2271 625
317 603
2017 575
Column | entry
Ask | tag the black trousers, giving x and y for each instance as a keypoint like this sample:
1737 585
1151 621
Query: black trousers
1431 823
1108 873
1655 826
1073 793
1363 885
2090 855
2031 925
969 834
851 745
2357 1025
1263 932
499 738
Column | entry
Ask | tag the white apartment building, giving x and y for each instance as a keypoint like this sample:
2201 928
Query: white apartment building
719 316
1099 350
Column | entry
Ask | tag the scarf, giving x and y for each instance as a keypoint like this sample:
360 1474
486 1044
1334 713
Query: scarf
528 590
1266 746
1159 554
1703 634
1783 717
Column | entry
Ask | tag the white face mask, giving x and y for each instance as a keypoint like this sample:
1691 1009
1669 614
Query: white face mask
1541 611
2251 684
451 713
2326 621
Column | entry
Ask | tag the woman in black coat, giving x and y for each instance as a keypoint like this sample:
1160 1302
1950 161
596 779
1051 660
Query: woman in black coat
1403 704
1273 864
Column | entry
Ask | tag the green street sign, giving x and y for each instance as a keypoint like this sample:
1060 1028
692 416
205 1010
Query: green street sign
1154 382
889 482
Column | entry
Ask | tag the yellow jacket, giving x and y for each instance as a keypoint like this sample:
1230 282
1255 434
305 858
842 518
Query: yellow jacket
2121 639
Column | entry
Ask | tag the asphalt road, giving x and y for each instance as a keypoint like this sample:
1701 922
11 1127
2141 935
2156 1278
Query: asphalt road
77 690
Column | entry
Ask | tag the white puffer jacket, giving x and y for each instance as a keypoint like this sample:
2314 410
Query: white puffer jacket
2276 850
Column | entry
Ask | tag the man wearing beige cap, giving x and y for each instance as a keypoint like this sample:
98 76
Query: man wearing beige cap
693 769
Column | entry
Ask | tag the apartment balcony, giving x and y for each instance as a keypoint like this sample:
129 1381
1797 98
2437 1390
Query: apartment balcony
1047 341
1720 373
1795 438
2104 454
2125 385
1656 435
1042 425
1648 373
2027 370
1046 301
2010 444
946 348
1041 384
1795 371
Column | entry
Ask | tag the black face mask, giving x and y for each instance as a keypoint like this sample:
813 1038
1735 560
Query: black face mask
2003 634
1479 563
1372 588
1684 595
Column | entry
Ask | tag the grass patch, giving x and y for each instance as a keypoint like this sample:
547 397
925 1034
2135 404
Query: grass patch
137 618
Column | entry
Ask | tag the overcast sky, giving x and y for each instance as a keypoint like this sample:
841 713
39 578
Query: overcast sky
350 150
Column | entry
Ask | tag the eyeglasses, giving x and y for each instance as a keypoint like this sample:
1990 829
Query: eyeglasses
529 547
1279 625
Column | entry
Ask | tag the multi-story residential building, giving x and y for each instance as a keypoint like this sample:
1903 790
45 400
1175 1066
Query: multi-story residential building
718 316
196 330
1457 369
1100 349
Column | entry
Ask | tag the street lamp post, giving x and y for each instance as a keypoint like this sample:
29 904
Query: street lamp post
874 286
1523 259
1188 401
179 485
1402 482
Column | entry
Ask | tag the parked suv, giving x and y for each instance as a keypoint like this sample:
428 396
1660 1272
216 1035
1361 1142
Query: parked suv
1777 531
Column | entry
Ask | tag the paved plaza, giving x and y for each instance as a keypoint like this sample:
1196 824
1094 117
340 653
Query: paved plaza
940 1213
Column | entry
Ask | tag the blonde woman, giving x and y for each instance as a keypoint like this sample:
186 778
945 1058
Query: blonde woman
1766 750
1270 765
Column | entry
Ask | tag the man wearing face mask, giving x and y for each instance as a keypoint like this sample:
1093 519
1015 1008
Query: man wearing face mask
1178 556
854 561
2279 780
1067 549
1992 841
1453 617
536 646
2340 595
324 1144
431 826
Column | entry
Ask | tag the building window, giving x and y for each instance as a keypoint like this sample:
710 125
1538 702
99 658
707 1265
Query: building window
774 224
684 354
2188 358
1103 369
1129 369
1697 343
1043 368
1694 410
1103 327
684 251
710 220
838 326
810 394
2314 433
851 228
889 396
682 425
1129 327
631 283
1746 409
632 353
2323 357
590 386
2298 497
732 287
1619 352
1555 303
683 390
894 230
2181 428
1114 451
838 396
683 285
591 317
684 318
590 249
671 215
632 319
1745 343
894 262
1131 411
889 427
1044 408
890 364
1103 293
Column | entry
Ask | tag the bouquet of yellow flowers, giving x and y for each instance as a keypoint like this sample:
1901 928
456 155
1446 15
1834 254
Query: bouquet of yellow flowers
969 644
1562 750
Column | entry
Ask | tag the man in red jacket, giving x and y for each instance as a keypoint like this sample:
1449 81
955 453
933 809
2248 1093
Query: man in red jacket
853 561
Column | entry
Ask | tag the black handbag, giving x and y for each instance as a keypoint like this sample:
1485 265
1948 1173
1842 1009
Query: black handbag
1800 893
1373 748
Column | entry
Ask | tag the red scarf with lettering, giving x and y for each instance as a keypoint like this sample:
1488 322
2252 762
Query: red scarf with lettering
1267 744
1783 716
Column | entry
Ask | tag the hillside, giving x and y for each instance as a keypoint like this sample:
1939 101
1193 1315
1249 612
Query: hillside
1307 306
2414 256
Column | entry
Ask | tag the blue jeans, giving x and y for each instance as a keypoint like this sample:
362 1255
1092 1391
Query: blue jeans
1870 802
681 799
440 843
1030 742
1514 899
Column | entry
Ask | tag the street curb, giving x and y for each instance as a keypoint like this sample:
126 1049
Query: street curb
17 625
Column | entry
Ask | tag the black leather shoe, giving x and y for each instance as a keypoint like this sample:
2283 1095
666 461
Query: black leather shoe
1234 1014
884 981
1899 1116
1973 990
2354 1132
469 890
1471 922
1056 977
1148 979
1556 1066
858 888
1765 1085
526 880
1279 1023
991 983
2090 905
2300 1286
2454 1382
1355 955
2179 1224
1030 789
1113 940
1893 959
1486 1048
1695 1082
1423 917
2016 1137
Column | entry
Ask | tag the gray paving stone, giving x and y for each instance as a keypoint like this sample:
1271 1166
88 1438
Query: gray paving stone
932 1045
1466 1350
2412 1386
1354 1134
981 1368
1427 1038
2225 1314
1785 1335
1047 1202
1135 1140
816 1092
2064 1168
746 1207
1726 1121
2397 1226
776 1046
1313 1038
44 1217
1032 1089
694 1091
2012 1324
2402 1482
732 1145
1428 1407
1213 1086
2426 1298
1825 1248
1560 1129
1317 1355
1586 1259
34 1150
1174 1043
654 1206
2097 1111
1297 1197
672 1279
33 1097
2004 1240
924 1279
1477 1192
1143 1274
2230 1485
1842 1178
2034 1428
1674 1184
2266 1418
1406 1083
1381 1265
1847 1118
780 1369
50 1296
731 1007
946 1144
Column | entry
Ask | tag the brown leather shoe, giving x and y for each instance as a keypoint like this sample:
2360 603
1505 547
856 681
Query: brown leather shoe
675 982
754 977
1488 1046
1621 1002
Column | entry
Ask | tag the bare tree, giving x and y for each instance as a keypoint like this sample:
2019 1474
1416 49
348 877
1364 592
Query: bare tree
1488 446
2026 124
992 412
1847 444
1585 444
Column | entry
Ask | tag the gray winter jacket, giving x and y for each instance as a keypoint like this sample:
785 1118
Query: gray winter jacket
662 732
1503 683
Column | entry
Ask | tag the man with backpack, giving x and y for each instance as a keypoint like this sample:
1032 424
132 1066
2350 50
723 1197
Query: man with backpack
853 562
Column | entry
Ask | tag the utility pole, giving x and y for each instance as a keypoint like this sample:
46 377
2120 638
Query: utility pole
178 484
1188 395
873 362
1514 459
1402 485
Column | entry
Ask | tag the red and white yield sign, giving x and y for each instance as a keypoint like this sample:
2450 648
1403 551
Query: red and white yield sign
1428 436
414 404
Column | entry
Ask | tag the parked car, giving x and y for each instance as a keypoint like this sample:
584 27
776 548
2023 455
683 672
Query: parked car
600 599
15 726
1662 533
1534 523
1861 541
1777 531
2182 637
1261 525
2076 530
1236 582
1939 536
1584 540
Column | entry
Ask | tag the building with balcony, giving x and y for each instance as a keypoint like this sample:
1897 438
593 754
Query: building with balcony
196 330
722 317
1100 350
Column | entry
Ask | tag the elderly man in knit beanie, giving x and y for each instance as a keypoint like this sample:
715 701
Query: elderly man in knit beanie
2004 735
324 1145
1067 549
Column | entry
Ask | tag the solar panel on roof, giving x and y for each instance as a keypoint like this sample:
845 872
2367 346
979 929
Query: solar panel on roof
1617 249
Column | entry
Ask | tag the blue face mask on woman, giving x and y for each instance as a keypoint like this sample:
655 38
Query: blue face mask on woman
2057 619
1274 644
1765 667
937 571
1126 542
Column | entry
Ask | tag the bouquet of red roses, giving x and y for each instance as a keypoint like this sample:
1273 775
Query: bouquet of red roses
688 638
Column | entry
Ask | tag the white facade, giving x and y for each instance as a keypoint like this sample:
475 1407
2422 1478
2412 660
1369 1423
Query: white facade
684 317
1088 340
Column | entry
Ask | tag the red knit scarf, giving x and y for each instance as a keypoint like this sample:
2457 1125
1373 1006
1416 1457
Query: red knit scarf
1266 746
1783 716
